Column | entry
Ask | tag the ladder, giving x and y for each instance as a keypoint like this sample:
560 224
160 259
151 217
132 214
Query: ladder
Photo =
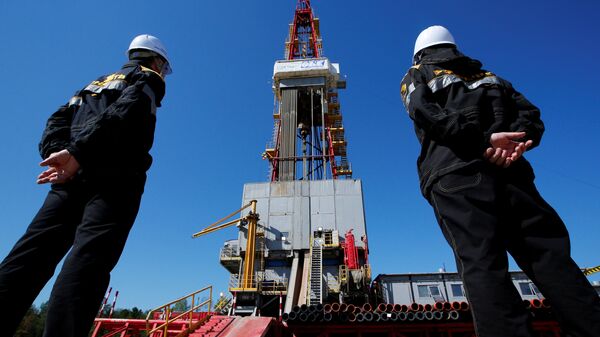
316 274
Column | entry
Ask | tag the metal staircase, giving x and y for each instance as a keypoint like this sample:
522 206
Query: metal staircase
316 274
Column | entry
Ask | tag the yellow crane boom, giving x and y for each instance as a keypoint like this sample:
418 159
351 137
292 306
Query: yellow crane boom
590 271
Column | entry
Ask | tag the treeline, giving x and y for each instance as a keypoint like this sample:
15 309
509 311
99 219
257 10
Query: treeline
33 322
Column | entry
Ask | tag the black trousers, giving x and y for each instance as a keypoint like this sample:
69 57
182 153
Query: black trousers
485 212
93 221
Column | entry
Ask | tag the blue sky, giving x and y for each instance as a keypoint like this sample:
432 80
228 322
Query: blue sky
216 117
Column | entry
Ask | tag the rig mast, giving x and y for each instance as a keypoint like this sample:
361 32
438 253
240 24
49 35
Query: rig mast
308 136
311 209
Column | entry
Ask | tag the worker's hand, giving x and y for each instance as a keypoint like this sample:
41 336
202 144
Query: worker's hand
62 168
505 149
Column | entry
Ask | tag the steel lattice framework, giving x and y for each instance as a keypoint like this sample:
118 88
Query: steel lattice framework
304 40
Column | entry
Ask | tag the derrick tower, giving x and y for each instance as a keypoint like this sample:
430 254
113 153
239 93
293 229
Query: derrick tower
302 248
308 136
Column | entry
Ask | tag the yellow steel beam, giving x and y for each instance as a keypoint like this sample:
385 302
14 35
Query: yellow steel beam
248 276
214 229
590 271
215 224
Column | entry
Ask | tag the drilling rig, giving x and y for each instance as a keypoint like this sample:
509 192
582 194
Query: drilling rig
311 208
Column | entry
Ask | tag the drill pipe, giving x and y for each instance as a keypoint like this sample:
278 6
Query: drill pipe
428 307
536 304
384 316
527 304
410 316
419 315
296 308
401 316
381 307
428 315
327 308
397 307
351 317
292 316
335 307
303 307
360 317
327 317
371 316
343 307
438 306
303 317
350 308
464 306
416 307
285 316
546 303
438 315
367 307
455 306
447 306
453 315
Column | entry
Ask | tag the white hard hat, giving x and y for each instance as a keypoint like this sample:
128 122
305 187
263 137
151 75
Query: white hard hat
432 36
151 43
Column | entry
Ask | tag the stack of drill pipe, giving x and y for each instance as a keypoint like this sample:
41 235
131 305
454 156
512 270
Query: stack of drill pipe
385 312
540 309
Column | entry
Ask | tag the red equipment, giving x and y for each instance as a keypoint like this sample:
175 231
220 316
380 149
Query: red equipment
304 41
350 252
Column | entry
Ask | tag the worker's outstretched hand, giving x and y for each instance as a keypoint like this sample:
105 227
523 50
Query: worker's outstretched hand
62 167
505 149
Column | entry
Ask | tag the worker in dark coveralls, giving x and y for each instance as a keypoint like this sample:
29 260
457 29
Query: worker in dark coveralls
96 150
473 127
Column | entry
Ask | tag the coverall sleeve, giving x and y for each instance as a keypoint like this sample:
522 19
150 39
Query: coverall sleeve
57 134
136 101
439 124
527 118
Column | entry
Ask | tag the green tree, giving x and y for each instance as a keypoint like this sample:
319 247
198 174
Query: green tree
32 325
181 306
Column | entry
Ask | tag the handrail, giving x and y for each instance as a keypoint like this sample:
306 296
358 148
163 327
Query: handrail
166 308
